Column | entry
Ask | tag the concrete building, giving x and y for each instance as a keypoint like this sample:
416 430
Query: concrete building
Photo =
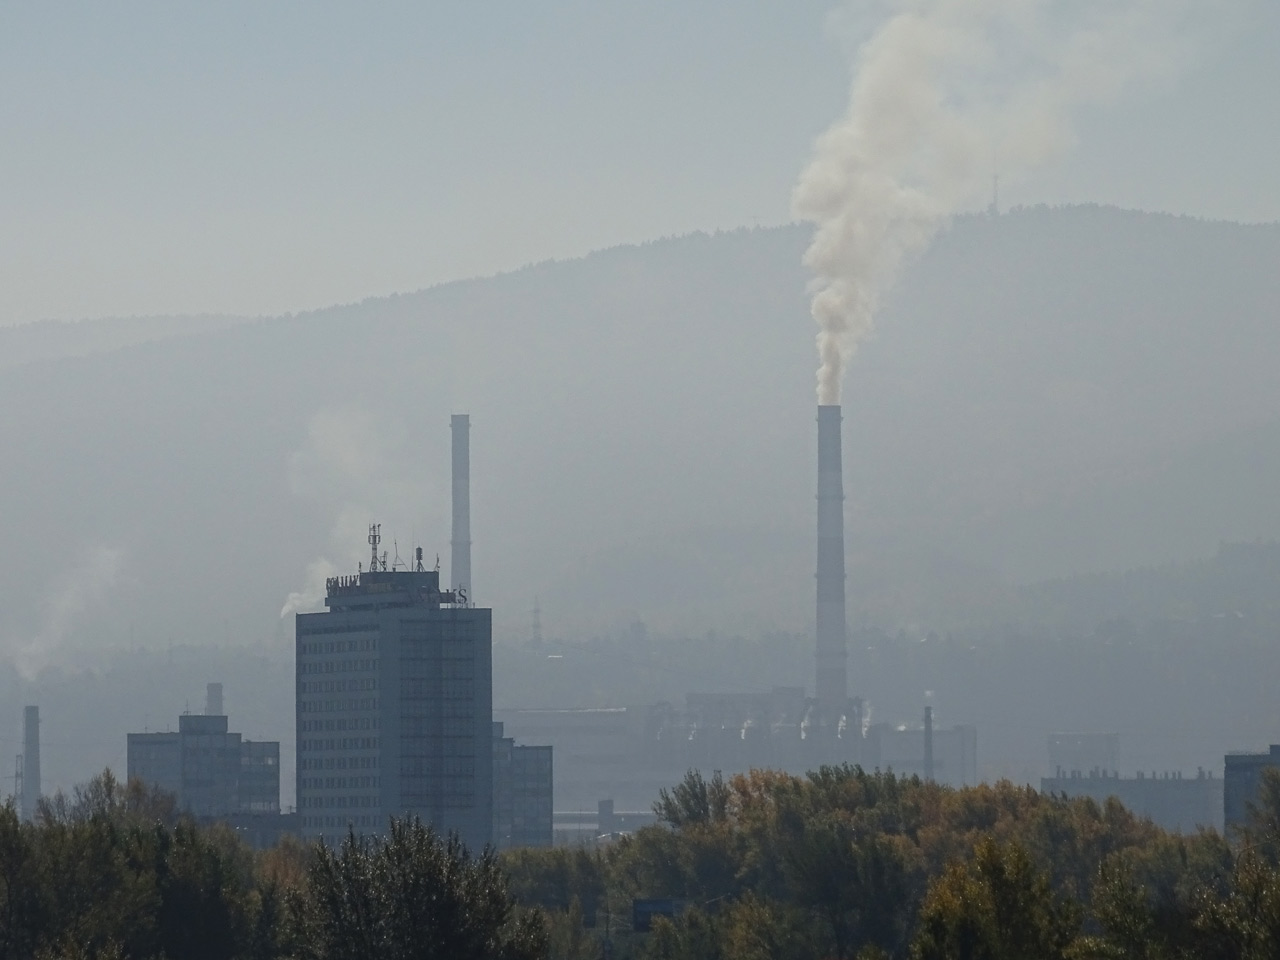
213 772
394 706
1242 783
1084 753
902 749
522 793
1170 800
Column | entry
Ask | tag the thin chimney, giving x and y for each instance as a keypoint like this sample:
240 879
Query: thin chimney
928 743
832 683
460 565
30 762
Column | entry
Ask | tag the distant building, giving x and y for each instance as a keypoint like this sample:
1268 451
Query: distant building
1171 801
394 707
902 750
1084 753
522 793
213 772
1242 784
628 754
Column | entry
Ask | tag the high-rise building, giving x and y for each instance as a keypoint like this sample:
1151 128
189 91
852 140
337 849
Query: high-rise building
394 706
213 772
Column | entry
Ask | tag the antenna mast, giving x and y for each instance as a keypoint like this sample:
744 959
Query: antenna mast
375 538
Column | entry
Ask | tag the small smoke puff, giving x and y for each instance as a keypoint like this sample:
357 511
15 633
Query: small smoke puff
96 571
937 90
313 591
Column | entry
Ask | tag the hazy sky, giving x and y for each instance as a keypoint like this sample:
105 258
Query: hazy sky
257 158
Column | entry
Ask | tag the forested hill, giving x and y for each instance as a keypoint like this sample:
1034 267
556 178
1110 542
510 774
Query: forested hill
57 339
1052 391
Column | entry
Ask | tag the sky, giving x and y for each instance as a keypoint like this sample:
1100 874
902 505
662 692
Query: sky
249 158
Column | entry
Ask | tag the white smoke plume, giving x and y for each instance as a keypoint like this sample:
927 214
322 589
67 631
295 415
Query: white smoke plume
360 468
941 92
86 583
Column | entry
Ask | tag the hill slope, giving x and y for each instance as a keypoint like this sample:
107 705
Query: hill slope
1051 392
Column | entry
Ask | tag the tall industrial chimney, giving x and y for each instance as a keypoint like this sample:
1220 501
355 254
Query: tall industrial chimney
213 700
460 564
30 762
832 683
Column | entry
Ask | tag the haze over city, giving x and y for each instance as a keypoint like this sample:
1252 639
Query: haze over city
996 280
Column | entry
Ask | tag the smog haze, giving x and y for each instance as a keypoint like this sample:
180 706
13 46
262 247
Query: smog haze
253 258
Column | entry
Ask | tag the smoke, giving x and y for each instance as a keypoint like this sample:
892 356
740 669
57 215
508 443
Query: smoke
942 92
96 571
360 468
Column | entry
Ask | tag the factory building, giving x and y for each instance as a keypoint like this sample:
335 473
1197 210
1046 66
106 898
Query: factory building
1081 753
946 755
394 712
1242 784
522 793
213 772
1170 800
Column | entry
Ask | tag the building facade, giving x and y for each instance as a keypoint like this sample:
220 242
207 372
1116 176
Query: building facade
394 706
902 749
212 771
1242 784
522 793
1170 800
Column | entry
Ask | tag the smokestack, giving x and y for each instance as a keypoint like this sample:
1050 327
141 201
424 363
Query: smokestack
832 683
213 700
928 743
30 762
460 564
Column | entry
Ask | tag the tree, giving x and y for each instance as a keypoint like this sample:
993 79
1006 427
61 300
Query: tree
858 882
694 800
413 896
999 907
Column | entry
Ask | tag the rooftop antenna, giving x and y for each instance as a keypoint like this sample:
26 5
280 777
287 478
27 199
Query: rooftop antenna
420 568
397 563
375 538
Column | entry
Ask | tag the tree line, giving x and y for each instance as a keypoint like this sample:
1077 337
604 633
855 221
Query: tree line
844 863
840 863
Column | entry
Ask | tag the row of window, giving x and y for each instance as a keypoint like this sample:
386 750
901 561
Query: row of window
338 763
429 728
338 686
364 820
460 766
320 648
337 726
437 688
339 783
334 706
340 666
337 803
342 743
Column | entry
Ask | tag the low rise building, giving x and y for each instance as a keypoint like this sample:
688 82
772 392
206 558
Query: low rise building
212 772
1242 784
1170 800
522 793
